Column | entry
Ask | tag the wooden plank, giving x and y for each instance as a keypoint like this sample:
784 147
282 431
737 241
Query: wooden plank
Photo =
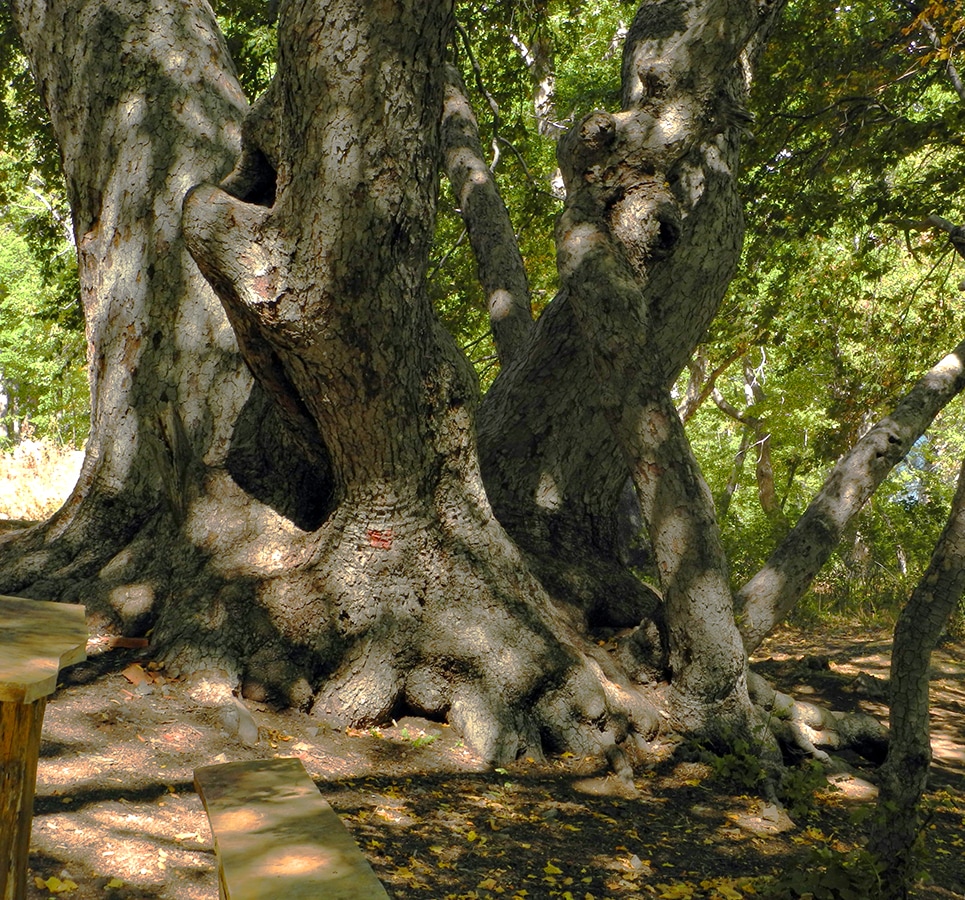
20 726
276 836
37 639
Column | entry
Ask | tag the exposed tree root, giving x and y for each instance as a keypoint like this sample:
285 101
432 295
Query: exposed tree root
378 614
807 729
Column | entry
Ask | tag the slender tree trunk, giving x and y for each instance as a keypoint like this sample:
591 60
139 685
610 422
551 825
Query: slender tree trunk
491 235
772 593
905 772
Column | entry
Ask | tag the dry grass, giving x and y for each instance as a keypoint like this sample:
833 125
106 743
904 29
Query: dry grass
35 479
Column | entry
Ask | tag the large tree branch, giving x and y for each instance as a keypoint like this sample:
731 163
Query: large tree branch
501 270
771 594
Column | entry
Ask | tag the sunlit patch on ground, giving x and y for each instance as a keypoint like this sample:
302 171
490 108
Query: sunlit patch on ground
116 810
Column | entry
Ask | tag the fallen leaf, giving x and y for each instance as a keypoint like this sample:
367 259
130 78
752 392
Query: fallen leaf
55 885
127 643
136 674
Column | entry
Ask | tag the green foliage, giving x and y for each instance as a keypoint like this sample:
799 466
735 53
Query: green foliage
42 372
249 30
800 786
43 379
830 875
740 764
843 301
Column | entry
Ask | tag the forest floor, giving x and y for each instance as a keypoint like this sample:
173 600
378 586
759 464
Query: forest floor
116 815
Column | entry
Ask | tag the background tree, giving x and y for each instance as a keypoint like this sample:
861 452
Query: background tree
42 375
842 170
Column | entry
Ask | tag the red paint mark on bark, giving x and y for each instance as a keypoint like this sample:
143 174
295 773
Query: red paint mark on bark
264 287
380 539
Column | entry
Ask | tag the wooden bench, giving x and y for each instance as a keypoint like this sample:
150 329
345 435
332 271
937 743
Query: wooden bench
37 639
276 837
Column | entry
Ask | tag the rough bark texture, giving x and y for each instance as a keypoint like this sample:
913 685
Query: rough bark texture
635 234
410 595
322 533
651 196
142 108
905 772
490 231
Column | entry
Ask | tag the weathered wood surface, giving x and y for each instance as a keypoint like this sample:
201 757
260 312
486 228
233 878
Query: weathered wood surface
20 725
275 836
37 640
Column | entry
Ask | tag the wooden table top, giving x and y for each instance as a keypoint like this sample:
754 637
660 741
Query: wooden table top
37 639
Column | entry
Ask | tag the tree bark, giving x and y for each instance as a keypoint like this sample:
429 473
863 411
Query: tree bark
634 216
143 105
905 772
491 235
324 534
553 468
325 285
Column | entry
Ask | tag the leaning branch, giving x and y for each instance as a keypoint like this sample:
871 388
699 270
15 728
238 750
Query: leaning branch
494 244
772 593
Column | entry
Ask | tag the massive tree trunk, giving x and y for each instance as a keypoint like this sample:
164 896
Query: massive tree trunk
410 595
322 531
143 105
648 242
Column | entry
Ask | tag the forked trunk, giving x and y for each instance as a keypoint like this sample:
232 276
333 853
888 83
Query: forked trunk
410 595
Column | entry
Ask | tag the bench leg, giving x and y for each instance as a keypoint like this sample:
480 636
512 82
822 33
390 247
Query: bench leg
20 725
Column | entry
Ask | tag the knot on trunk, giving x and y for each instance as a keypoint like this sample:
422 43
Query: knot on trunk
614 176
585 152
646 222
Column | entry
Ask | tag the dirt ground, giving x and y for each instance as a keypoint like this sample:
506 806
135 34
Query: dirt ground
116 815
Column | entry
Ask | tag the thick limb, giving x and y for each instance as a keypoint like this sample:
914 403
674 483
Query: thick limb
771 594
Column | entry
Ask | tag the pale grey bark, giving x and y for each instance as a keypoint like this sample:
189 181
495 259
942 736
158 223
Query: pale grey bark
539 59
494 244
552 465
772 593
141 107
904 775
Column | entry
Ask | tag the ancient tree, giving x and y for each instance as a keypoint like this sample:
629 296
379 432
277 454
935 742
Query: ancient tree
292 477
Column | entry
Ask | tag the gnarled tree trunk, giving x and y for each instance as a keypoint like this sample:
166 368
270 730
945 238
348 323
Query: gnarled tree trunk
329 532
410 595
143 105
